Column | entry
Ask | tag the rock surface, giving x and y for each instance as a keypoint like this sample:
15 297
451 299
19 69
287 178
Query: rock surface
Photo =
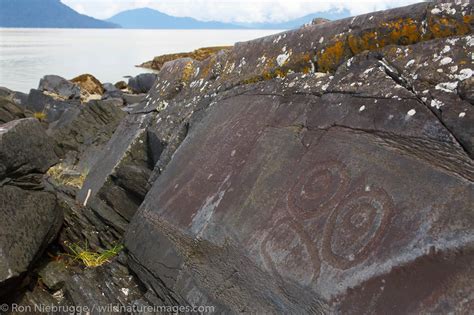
48 106
82 132
90 86
198 54
59 86
321 170
30 216
322 190
22 149
142 83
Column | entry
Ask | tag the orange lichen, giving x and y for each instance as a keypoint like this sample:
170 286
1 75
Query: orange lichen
403 32
188 72
446 26
332 56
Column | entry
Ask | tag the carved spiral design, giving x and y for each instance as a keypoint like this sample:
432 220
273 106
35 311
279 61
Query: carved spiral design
288 252
356 227
317 190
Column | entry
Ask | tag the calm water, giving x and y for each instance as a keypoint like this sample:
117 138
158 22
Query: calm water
26 55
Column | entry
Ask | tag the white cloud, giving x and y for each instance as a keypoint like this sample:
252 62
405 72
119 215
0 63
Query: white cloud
234 10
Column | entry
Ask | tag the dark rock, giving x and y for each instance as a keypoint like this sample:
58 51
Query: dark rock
23 150
121 85
307 192
110 91
305 172
9 110
59 86
126 154
142 83
82 132
53 275
18 98
131 99
51 108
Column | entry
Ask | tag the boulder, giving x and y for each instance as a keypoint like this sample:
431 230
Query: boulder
24 148
89 85
60 87
18 98
293 177
121 85
82 132
29 220
131 99
119 178
110 91
9 110
142 83
30 217
49 108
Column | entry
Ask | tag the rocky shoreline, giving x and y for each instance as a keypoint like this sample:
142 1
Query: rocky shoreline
326 169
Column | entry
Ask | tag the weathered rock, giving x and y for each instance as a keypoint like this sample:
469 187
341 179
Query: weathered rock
305 172
142 83
24 148
89 85
59 86
50 108
18 98
29 217
110 91
121 85
131 99
9 110
29 222
119 178
82 132
315 192
198 54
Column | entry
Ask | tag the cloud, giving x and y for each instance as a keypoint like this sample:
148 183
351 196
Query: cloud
235 10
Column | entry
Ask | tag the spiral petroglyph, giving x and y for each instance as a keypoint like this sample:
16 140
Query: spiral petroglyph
318 189
289 252
356 227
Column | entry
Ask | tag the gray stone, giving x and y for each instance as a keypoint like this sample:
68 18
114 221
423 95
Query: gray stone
24 148
29 222
57 85
142 83
38 102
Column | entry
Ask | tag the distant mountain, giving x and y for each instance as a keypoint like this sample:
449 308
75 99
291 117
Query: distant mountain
45 14
147 18
330 15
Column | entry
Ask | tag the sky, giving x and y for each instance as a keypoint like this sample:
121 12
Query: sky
248 11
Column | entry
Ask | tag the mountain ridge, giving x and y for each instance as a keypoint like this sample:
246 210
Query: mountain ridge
147 18
45 14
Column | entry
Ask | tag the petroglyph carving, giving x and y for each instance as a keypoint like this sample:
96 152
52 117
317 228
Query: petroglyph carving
288 247
318 189
356 227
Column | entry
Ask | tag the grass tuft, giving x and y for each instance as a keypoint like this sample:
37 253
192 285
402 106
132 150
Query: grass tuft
41 116
59 174
90 258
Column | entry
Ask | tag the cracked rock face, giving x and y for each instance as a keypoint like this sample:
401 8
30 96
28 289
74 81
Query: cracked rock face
293 190
321 170
30 216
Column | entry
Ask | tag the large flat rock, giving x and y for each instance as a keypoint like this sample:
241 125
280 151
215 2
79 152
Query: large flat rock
24 148
311 195
331 189
29 222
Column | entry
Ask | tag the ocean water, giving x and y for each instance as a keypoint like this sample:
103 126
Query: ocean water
26 55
